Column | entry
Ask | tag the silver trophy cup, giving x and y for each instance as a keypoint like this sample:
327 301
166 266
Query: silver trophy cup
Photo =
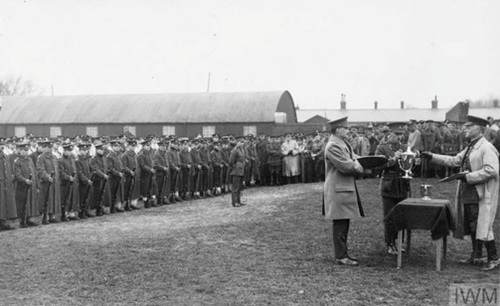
406 162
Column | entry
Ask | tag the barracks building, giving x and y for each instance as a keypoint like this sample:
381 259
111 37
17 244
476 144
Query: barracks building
179 114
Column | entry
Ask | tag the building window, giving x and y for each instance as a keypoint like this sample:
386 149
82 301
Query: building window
92 131
55 131
249 129
280 117
208 130
129 129
168 130
20 131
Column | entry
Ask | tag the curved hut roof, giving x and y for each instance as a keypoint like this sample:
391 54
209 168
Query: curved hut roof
148 108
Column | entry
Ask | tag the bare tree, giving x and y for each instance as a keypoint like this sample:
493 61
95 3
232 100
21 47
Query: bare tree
17 86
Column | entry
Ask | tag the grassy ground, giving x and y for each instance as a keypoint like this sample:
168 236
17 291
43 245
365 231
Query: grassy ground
275 251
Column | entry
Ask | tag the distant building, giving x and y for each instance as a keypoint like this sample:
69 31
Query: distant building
182 114
365 117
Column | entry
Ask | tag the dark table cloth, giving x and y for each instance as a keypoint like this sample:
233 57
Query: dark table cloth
415 213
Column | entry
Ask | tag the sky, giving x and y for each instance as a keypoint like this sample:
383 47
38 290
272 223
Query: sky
384 50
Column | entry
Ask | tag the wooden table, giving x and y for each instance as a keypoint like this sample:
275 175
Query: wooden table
415 213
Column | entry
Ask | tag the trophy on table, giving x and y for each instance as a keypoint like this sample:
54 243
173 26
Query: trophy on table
406 162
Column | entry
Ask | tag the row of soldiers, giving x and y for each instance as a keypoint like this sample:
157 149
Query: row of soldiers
69 179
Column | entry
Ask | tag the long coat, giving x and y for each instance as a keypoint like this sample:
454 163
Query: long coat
484 164
45 166
341 199
26 194
7 205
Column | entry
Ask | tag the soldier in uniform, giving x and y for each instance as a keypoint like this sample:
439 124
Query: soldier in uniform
49 197
175 168
162 168
186 165
26 187
206 169
85 184
237 170
393 187
218 164
477 197
115 170
318 156
262 155
8 211
131 175
225 164
197 176
68 175
274 161
99 167
148 173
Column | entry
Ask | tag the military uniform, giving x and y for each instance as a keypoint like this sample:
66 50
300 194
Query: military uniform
162 168
8 209
26 189
237 170
99 167
85 184
49 197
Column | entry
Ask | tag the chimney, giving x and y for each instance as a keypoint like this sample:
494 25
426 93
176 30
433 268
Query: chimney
342 102
402 104
434 103
375 104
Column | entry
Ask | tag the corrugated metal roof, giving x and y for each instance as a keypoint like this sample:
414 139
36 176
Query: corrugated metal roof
144 108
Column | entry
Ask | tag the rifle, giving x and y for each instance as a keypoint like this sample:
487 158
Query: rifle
28 191
70 191
99 199
47 197
130 187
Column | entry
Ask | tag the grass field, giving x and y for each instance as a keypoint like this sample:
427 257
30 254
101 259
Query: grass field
277 250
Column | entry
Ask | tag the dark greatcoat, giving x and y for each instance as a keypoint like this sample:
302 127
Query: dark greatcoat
47 164
7 204
26 194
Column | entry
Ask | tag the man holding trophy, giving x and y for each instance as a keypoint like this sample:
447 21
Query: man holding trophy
394 186
477 196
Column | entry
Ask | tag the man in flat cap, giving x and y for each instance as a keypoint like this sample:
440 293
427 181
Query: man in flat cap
26 187
477 196
341 199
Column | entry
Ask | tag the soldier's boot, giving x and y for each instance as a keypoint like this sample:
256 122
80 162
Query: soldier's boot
477 251
127 205
22 217
239 200
99 211
493 259
234 200
45 219
64 217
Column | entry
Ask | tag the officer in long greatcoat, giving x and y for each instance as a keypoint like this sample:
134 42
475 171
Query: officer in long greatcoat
49 198
160 162
341 199
477 193
147 178
85 184
26 187
8 211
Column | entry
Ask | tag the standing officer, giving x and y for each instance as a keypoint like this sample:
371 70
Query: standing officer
131 175
261 147
26 187
49 197
274 161
218 164
147 181
68 176
477 196
341 199
162 168
237 171
99 167
175 168
186 164
115 169
85 184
